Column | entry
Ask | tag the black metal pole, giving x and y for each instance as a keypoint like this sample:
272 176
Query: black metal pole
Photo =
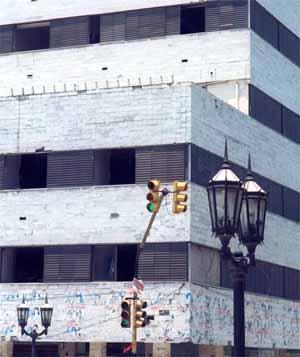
239 274
33 346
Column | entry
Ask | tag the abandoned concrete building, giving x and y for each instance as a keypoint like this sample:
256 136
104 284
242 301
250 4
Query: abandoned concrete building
97 97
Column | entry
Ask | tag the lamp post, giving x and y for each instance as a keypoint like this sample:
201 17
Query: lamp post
46 316
237 209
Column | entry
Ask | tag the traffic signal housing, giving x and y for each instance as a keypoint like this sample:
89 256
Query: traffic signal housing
140 314
179 198
153 196
126 313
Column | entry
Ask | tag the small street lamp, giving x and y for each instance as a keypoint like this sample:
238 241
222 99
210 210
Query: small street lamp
46 316
237 209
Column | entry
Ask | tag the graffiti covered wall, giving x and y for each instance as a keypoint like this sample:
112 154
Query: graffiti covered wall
269 321
86 312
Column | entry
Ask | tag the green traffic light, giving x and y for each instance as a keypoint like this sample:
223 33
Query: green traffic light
125 323
151 207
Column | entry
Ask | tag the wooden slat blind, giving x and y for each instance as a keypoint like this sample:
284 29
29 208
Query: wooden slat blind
69 32
6 38
73 168
166 163
67 263
172 20
164 261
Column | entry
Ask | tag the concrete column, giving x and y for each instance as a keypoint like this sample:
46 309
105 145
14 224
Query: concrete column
97 349
161 350
211 351
6 349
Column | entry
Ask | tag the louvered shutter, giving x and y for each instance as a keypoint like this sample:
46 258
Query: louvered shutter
112 27
166 163
226 15
291 283
274 190
69 32
42 350
172 20
67 264
289 44
264 109
6 38
164 261
2 169
74 168
132 25
204 165
291 204
291 125
212 16
152 22
263 23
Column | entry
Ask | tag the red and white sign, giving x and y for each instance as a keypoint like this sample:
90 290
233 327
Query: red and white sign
137 286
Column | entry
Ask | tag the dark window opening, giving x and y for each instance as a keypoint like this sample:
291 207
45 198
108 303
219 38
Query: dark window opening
126 256
95 29
33 171
29 264
32 37
192 19
104 263
122 166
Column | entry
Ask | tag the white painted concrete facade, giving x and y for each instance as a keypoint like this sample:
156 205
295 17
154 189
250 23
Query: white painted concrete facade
202 315
62 99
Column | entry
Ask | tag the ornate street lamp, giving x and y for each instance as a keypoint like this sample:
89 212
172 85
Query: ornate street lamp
253 214
46 316
237 209
225 194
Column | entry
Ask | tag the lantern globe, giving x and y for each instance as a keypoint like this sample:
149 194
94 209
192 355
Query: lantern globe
46 314
225 194
23 313
253 215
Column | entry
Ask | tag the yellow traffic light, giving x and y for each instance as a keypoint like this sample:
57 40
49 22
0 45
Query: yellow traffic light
179 197
153 196
126 313
140 314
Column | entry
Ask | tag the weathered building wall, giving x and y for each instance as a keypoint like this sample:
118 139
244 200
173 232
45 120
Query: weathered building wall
100 119
272 154
286 12
275 74
91 215
15 11
117 214
281 240
269 321
91 312
215 56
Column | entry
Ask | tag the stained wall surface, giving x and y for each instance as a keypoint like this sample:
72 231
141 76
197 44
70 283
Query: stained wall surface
91 313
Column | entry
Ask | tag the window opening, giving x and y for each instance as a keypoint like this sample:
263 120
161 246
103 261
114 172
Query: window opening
126 262
94 29
30 37
29 264
33 171
122 166
192 19
104 261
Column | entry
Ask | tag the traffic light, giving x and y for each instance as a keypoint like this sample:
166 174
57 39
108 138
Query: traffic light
178 197
126 313
153 196
140 314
